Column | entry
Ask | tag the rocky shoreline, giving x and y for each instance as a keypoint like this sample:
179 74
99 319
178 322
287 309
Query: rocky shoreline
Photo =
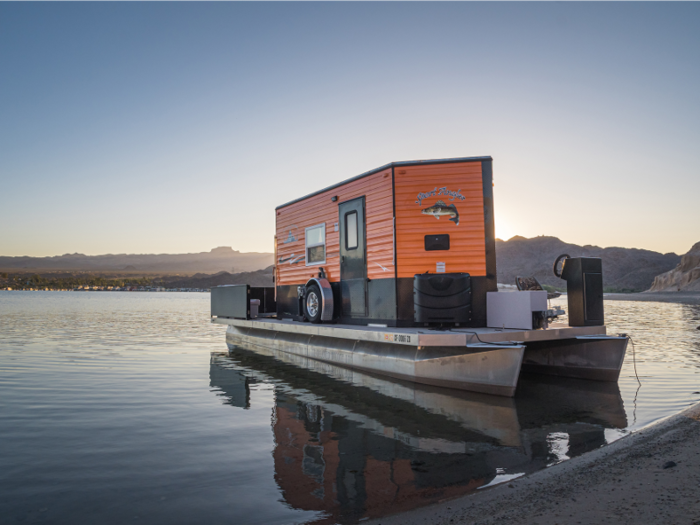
683 278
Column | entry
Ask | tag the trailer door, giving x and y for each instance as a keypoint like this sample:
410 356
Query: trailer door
353 258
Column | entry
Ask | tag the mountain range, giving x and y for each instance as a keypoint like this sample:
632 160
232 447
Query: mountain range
624 269
257 278
222 259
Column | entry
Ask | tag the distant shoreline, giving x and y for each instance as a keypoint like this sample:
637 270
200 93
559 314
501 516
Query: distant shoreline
659 297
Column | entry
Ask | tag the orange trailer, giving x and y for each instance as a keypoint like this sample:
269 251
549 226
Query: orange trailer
407 244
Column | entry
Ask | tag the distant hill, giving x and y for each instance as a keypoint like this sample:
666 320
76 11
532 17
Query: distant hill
683 278
624 269
257 278
220 259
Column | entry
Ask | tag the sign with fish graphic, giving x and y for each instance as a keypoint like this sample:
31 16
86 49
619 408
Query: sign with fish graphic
440 208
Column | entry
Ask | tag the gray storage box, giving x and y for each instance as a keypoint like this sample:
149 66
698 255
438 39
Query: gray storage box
231 301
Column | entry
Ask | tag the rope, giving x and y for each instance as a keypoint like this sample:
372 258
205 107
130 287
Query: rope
634 356
503 343
634 360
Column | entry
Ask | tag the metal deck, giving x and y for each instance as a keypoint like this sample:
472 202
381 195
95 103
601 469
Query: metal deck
414 336
480 359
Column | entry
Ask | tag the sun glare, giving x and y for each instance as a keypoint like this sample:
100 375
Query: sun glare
504 230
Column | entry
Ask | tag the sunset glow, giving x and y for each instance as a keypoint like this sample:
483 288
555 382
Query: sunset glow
186 135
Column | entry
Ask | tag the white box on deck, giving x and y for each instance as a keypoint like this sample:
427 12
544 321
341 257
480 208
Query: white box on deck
513 309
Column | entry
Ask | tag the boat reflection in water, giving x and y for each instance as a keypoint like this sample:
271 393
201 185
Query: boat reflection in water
355 445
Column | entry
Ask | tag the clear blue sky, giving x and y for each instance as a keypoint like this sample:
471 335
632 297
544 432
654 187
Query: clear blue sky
178 127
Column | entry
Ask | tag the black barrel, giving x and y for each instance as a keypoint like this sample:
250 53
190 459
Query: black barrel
443 298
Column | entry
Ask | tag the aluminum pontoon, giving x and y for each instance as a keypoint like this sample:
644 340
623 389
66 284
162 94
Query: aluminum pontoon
476 359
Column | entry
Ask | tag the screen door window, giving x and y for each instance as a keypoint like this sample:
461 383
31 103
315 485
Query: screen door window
351 230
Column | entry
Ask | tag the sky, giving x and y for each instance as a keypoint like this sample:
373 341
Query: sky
179 127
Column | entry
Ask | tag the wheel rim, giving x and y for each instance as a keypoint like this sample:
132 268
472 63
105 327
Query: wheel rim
312 304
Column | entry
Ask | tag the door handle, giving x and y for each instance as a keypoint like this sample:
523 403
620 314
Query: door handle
342 258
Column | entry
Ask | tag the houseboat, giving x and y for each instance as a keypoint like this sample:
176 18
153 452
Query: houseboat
393 271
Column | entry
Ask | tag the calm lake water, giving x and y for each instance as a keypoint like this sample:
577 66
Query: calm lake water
127 407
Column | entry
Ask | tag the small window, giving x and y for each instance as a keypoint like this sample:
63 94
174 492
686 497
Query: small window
316 245
351 230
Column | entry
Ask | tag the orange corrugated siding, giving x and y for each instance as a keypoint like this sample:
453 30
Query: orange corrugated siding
320 209
467 242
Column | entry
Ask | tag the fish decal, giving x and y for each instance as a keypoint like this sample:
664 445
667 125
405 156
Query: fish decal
440 209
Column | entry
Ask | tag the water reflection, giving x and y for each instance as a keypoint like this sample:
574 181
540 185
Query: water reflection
107 413
355 445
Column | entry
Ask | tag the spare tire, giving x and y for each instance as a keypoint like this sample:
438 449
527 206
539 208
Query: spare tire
313 303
